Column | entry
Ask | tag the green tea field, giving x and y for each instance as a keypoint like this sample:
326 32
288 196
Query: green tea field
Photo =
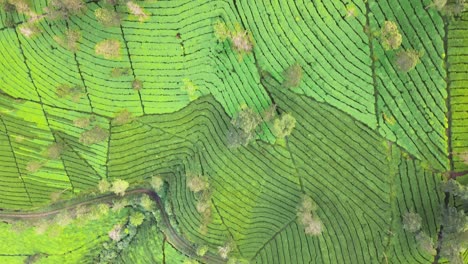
234 131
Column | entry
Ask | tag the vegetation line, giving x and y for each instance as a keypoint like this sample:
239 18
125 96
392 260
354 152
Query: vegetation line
448 132
172 237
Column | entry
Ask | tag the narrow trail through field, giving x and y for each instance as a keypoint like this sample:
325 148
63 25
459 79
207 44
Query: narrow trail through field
176 240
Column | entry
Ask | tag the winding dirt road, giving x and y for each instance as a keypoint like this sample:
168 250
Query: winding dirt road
172 237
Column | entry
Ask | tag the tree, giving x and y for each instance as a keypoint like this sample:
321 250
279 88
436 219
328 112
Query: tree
72 92
406 60
109 48
29 30
93 136
107 17
241 40
292 76
390 37
197 183
157 182
119 187
412 222
116 232
64 9
247 120
122 118
103 186
137 11
70 40
83 122
284 126
54 151
308 218
136 219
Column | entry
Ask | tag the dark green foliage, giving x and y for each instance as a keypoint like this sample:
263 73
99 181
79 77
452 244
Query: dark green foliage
454 235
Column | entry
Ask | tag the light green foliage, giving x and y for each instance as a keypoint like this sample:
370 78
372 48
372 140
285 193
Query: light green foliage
137 11
201 251
109 49
292 76
157 182
119 187
406 60
137 218
284 125
308 218
103 186
412 222
146 203
107 17
390 36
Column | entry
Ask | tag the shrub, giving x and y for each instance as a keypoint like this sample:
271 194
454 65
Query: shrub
119 187
269 113
292 76
201 251
70 40
34 166
390 37
93 136
406 60
247 120
425 243
107 17
109 48
412 222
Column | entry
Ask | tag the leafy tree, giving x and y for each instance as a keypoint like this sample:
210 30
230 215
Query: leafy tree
70 40
201 250
454 234
72 92
109 48
247 120
55 150
137 11
29 30
118 72
116 232
292 76
284 126
146 203
425 243
197 183
407 60
119 187
93 136
241 40
269 113
136 219
137 85
122 118
107 17
412 222
64 9
103 186
83 122
390 36
221 31
307 217
157 182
